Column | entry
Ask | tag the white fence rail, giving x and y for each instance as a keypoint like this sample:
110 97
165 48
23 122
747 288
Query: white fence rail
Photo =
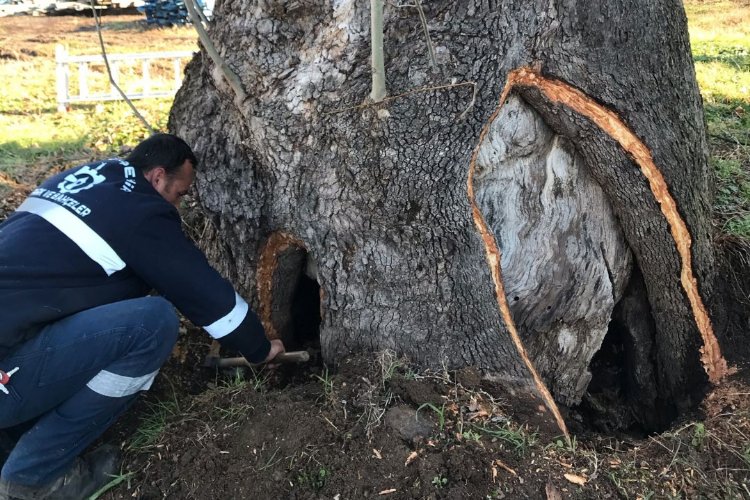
141 63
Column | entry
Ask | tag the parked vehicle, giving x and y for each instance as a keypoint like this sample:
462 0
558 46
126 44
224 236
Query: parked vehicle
55 7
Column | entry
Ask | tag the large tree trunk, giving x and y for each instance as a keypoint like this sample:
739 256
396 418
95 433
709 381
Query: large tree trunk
578 128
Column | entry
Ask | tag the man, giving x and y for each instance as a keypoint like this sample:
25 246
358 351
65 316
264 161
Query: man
77 259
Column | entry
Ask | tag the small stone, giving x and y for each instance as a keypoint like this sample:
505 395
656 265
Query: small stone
407 423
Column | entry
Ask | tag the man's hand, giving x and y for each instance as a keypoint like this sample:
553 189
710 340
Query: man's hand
277 347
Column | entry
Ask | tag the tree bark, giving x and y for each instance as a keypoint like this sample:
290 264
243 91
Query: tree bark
448 227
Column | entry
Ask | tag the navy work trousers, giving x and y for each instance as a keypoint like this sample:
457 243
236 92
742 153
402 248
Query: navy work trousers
77 376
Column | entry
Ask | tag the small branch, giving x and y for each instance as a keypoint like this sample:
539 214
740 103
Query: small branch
430 49
109 71
230 75
471 104
730 140
410 92
376 36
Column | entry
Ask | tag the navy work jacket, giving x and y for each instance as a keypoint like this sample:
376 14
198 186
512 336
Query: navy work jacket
98 234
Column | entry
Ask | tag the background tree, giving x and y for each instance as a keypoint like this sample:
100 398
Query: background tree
541 187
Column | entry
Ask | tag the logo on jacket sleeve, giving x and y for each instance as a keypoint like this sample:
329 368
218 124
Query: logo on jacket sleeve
84 178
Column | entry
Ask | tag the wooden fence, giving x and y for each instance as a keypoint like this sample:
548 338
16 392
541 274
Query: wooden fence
142 63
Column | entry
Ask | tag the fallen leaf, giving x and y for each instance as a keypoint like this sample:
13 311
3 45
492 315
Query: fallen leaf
575 479
387 492
552 492
411 458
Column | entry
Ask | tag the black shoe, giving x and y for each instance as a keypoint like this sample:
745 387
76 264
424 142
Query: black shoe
87 475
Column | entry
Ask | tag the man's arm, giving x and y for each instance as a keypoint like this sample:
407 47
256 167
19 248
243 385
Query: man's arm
161 255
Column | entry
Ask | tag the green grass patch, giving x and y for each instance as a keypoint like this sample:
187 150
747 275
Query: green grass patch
84 133
720 40
116 480
152 427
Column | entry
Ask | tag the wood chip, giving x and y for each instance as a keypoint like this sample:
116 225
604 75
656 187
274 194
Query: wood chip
575 479
377 454
501 464
387 492
552 492
411 458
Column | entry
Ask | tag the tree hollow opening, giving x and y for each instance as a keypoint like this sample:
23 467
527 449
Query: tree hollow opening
295 300
623 393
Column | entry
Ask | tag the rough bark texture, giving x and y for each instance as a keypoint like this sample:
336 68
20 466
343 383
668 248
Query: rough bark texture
377 195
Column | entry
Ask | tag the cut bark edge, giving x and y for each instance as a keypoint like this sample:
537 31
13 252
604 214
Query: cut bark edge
611 124
276 243
492 253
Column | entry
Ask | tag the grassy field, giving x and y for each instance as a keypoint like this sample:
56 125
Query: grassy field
34 136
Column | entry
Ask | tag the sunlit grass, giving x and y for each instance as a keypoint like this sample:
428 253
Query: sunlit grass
718 16
84 132
720 41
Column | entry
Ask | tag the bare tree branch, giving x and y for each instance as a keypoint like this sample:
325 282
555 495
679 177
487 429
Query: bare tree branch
230 75
376 37
109 71
430 49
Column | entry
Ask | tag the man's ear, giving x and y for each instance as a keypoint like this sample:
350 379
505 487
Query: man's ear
156 176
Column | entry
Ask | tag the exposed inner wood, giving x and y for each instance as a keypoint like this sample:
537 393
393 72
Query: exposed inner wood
611 124
559 92
492 253
565 261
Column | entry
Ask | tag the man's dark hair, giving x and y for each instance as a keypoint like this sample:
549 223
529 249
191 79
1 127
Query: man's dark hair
161 150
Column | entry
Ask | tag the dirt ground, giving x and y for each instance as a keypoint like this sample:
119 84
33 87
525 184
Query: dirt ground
21 39
376 428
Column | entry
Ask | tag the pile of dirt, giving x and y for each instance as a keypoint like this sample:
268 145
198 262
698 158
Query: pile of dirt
376 428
